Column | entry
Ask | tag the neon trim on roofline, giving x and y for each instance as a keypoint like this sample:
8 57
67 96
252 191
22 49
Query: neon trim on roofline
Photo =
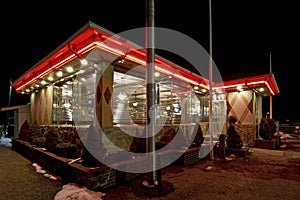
87 41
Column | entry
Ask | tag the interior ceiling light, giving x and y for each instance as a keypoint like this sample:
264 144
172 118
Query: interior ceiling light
67 105
203 90
175 105
135 103
84 61
239 88
59 74
43 82
122 96
70 69
121 61
81 71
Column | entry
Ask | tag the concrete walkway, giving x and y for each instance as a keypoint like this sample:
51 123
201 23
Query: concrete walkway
20 181
284 154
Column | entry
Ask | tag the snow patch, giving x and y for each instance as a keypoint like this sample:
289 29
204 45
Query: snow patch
76 191
39 169
5 141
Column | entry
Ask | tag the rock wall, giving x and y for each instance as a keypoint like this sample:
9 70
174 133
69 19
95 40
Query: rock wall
247 133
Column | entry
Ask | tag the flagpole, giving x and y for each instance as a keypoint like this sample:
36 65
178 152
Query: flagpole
10 89
210 83
271 99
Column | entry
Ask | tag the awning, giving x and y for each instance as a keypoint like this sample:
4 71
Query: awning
92 36
264 85
13 108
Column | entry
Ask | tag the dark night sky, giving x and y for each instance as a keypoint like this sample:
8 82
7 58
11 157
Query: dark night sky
243 34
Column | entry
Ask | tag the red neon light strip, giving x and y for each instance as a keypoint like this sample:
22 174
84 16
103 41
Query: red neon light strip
270 89
91 38
234 86
88 47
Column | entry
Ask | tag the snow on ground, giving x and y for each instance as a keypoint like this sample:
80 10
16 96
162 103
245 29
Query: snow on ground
284 135
76 191
5 141
39 169
70 190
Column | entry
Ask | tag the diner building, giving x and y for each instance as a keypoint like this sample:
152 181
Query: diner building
96 77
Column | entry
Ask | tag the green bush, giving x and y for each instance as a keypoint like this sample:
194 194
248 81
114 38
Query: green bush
67 150
233 139
267 129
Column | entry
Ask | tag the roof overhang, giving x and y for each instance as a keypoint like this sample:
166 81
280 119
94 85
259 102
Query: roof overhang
92 36
14 108
264 85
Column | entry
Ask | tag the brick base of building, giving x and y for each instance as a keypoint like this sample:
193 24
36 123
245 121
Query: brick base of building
267 144
102 177
94 178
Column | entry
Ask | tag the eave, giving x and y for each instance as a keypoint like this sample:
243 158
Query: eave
92 36
265 81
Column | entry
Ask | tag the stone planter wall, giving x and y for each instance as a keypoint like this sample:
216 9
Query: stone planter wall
96 178
102 177
247 133
193 155
268 144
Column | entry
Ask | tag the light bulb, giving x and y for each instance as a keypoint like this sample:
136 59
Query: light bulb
122 96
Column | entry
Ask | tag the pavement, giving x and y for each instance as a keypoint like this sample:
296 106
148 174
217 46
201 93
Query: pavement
284 154
21 181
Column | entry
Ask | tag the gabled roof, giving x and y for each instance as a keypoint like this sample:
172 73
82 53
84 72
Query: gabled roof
92 36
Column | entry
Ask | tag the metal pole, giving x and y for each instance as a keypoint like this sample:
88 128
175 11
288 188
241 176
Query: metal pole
210 84
271 99
150 128
10 89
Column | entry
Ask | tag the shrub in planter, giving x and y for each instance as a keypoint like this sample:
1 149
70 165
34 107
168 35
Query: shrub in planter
66 149
198 136
138 144
94 150
172 139
36 130
39 141
267 129
52 138
233 139
25 133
